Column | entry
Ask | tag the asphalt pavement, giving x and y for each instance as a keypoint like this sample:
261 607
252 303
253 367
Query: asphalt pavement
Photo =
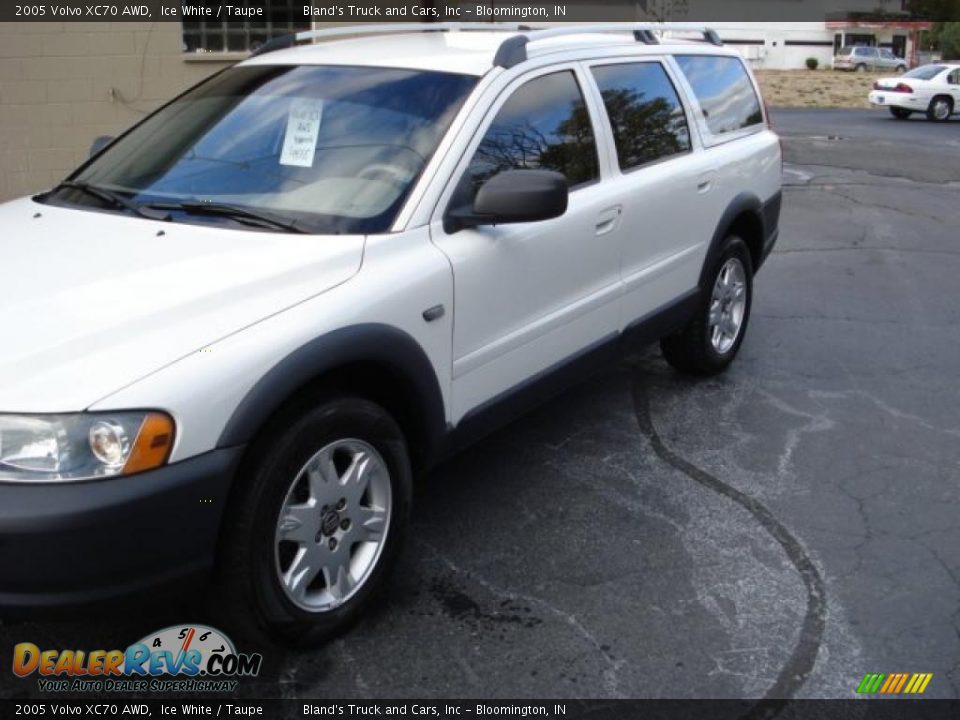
777 531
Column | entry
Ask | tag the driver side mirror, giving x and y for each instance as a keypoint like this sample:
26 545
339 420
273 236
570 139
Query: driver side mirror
513 196
100 143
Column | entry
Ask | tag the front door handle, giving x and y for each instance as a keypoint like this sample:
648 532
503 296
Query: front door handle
608 219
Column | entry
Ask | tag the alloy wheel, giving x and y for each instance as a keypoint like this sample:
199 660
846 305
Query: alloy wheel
728 304
333 525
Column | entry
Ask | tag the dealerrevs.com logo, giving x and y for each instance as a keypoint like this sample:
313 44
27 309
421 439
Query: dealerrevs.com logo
181 658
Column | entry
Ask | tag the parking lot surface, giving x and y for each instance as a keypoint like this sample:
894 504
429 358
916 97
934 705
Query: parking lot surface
777 531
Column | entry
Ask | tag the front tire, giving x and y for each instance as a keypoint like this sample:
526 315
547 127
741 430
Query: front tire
711 340
900 113
316 523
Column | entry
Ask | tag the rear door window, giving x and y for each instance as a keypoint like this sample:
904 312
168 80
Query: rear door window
724 91
645 114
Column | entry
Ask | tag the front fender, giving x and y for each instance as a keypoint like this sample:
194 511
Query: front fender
382 345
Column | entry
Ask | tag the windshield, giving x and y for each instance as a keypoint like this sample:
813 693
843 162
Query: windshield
927 72
331 149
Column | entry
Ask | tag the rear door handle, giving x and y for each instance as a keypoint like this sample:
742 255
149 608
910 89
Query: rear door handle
705 181
608 219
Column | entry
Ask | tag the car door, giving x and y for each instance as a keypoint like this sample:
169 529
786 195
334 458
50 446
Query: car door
529 296
953 84
666 190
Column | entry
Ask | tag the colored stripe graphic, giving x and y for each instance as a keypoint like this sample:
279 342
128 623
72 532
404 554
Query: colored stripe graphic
918 683
871 683
894 683
903 679
891 681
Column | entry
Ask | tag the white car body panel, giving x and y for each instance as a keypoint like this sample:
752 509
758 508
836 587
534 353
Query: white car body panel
661 242
465 52
231 367
527 294
93 301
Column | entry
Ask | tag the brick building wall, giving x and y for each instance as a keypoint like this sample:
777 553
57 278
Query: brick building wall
64 84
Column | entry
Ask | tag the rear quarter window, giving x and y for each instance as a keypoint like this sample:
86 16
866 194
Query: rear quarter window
723 89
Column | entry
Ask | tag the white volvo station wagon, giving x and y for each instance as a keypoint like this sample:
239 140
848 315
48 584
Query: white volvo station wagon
233 338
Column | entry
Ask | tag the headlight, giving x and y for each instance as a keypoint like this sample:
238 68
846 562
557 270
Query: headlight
85 446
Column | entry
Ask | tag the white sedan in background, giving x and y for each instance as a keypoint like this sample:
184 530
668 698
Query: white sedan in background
930 89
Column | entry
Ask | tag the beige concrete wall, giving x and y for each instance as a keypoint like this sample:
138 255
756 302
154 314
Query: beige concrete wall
63 84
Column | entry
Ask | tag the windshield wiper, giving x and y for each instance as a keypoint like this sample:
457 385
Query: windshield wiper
112 198
233 212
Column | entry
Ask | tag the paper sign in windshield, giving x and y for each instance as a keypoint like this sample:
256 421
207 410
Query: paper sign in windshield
303 127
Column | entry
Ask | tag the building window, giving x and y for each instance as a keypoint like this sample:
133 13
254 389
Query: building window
280 17
861 40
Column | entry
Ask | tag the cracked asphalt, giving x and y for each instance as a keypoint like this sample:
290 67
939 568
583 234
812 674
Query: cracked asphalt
775 532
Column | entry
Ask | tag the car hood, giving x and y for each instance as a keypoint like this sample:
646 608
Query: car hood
91 301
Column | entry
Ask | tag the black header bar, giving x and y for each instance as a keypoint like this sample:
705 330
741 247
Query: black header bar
239 11
556 709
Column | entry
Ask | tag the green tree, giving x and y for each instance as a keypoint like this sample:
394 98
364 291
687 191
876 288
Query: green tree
950 41
939 11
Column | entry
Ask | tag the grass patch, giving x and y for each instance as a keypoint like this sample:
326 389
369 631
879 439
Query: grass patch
816 88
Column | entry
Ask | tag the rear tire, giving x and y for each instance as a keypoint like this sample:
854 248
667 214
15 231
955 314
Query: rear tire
941 108
711 340
315 524
900 113
860 68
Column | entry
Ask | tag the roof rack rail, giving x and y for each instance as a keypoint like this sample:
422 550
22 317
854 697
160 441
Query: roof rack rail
287 41
513 50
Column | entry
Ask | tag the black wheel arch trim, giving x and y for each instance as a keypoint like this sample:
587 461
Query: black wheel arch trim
766 214
370 343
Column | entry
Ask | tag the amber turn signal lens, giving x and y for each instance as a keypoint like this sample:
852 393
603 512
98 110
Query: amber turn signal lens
153 444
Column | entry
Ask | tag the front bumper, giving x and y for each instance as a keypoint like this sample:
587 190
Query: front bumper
76 543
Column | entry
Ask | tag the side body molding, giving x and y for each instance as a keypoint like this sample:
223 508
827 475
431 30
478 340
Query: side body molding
382 346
